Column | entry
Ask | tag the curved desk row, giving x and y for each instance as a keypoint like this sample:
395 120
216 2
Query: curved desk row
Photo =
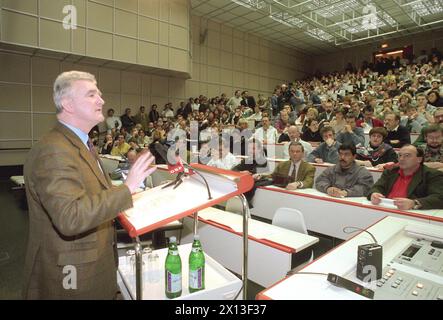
329 215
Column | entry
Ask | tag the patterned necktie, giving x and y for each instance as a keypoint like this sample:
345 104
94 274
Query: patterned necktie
294 172
92 149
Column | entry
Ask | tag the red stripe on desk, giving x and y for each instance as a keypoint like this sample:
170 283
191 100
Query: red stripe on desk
399 212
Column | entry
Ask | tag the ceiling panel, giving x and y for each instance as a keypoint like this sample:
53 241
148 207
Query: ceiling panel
308 25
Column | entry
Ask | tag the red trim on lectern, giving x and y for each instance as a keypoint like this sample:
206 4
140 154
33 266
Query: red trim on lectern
245 183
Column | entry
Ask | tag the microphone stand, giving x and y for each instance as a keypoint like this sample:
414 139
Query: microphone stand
178 180
200 175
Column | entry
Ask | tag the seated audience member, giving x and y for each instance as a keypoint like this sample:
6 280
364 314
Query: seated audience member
122 169
433 149
386 107
435 99
413 121
108 145
121 147
304 119
327 151
338 123
256 158
257 115
369 121
377 153
112 121
127 120
424 108
266 133
282 124
411 185
351 133
221 157
347 178
142 118
294 173
125 133
312 132
398 135
326 117
150 129
143 139
293 135
239 137
438 120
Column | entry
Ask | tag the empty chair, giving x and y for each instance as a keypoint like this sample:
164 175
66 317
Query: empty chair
292 219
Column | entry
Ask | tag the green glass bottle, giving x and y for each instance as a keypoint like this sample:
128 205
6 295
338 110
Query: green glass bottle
196 266
173 271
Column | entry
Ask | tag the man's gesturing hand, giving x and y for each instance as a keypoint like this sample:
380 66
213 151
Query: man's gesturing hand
140 170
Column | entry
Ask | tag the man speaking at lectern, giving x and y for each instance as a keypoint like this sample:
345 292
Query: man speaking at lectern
71 251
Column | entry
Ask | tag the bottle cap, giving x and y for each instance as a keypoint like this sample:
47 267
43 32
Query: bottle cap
196 237
172 239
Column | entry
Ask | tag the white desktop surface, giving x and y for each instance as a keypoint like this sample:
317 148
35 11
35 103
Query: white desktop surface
259 230
342 261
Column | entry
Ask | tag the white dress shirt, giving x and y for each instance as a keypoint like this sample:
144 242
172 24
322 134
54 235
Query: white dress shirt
269 135
227 163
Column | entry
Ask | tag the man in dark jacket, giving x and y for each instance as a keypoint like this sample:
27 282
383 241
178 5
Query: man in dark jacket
412 185
398 136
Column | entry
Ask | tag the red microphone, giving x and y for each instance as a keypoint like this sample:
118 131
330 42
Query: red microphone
177 167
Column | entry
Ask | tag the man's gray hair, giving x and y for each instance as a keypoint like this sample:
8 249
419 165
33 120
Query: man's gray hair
63 83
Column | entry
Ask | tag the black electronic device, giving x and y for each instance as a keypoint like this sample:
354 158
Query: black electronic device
350 285
369 260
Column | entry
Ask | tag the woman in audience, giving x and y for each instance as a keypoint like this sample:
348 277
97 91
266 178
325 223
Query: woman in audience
312 132
404 101
143 140
377 153
311 114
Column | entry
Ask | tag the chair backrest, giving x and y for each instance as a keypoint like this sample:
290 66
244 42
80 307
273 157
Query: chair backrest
290 219
234 205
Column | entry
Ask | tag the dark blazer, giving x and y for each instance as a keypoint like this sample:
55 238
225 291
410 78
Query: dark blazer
426 186
402 134
72 205
305 173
